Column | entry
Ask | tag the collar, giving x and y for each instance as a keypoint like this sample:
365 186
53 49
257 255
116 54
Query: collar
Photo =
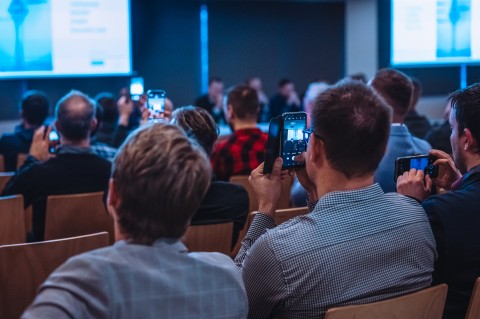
248 131
462 180
397 124
336 198
174 244
68 149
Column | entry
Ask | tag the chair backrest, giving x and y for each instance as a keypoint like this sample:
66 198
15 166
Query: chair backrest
24 267
21 157
76 215
12 220
2 163
284 201
424 304
215 237
282 215
473 311
4 178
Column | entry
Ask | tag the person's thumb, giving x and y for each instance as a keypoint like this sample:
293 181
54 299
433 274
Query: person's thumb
277 167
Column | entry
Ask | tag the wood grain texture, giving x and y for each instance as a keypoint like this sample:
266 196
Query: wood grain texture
217 237
473 311
12 220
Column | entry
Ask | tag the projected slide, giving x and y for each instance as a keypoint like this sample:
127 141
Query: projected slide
41 38
435 31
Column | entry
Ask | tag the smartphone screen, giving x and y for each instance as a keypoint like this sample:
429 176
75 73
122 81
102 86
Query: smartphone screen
136 88
294 140
156 101
53 142
273 144
418 162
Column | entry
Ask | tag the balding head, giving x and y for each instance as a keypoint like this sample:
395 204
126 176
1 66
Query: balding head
75 113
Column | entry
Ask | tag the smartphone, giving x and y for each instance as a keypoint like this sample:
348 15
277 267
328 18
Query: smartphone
156 101
273 144
53 142
136 88
419 162
294 138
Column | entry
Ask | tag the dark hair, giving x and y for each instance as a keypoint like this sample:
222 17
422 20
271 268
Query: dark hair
161 178
284 82
359 76
395 88
75 112
244 101
106 102
466 104
354 124
214 79
197 123
34 107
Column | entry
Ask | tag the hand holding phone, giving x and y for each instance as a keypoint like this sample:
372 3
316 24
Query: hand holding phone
424 163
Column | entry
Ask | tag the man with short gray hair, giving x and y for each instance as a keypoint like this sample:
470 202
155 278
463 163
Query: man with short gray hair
73 168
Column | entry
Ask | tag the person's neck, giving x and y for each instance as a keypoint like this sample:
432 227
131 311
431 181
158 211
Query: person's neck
398 119
83 143
334 181
28 126
242 125
472 162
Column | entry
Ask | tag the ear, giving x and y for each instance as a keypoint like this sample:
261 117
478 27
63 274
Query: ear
93 125
231 114
112 198
469 141
317 154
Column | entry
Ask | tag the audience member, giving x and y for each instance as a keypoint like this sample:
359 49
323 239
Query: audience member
359 76
33 111
101 149
74 169
439 136
224 202
256 83
357 244
417 124
148 273
285 100
396 89
213 100
107 104
245 148
454 215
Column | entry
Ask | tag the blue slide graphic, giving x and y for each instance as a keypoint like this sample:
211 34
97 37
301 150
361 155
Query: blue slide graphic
453 28
25 35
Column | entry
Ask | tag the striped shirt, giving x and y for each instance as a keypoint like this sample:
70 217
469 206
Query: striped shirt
353 247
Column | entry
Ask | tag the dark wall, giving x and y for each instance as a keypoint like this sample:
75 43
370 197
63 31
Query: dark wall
435 80
303 41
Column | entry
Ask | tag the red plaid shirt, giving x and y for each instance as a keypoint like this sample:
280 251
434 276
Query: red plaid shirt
241 153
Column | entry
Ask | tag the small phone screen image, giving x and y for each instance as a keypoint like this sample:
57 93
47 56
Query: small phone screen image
156 101
53 142
136 88
419 163
294 138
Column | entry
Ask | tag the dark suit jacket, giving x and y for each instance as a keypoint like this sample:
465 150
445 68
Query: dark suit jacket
455 220
12 144
63 174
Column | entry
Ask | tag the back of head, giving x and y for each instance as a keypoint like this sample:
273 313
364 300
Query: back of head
197 123
284 82
244 101
106 102
466 105
395 88
354 124
34 107
314 89
417 92
160 177
75 112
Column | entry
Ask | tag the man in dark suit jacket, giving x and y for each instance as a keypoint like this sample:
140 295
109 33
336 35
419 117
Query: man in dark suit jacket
34 110
455 214
74 168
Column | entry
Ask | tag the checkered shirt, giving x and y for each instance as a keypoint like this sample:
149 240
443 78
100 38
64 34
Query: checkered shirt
354 247
241 153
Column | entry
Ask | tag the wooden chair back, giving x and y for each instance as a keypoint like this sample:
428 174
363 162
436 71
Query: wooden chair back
12 220
215 237
2 163
473 311
21 157
24 267
282 215
76 215
284 201
424 304
4 178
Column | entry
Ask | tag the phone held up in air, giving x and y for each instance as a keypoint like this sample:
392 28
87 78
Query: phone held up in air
136 88
53 141
156 102
419 162
286 138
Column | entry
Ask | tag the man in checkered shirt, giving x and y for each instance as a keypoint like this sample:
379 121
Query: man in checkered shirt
357 245
244 150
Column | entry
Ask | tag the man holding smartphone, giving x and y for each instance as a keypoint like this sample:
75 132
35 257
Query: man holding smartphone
455 213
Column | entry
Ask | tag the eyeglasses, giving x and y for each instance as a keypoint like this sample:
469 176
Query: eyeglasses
307 133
